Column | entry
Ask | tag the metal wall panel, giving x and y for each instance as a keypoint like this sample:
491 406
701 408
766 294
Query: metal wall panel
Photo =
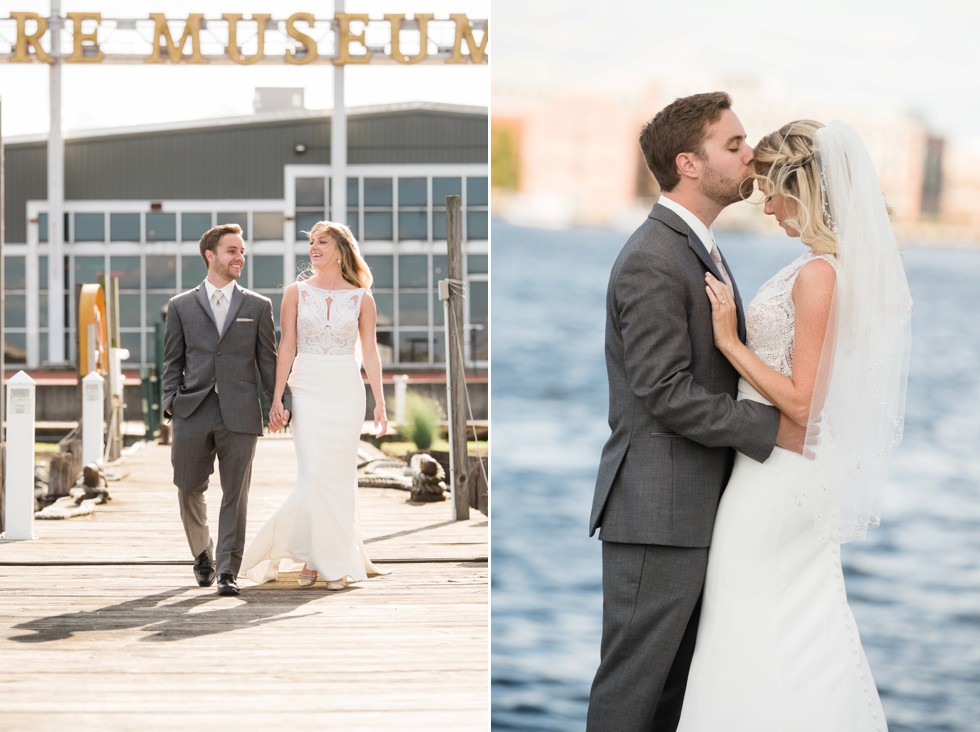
234 160
26 180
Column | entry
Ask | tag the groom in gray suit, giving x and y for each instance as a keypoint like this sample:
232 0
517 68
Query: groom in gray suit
219 337
674 419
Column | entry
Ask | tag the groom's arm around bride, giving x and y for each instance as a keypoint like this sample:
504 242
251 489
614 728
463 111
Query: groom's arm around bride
673 416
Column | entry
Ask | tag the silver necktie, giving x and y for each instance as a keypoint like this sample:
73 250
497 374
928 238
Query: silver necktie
716 258
219 309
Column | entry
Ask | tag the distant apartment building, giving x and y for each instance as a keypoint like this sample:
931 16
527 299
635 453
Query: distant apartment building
578 160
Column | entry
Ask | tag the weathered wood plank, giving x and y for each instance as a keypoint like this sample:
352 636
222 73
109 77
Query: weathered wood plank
109 644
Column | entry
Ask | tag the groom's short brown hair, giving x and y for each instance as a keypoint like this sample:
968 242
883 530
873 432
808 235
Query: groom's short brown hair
681 126
211 237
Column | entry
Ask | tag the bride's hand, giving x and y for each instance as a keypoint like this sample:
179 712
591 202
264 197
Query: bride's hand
276 420
724 317
380 420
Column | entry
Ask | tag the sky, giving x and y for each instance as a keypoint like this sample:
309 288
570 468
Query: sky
99 96
921 56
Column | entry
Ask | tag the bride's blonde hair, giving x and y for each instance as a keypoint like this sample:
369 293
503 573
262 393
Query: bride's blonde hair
353 268
784 164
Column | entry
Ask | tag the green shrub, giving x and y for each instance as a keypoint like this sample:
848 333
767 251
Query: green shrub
421 422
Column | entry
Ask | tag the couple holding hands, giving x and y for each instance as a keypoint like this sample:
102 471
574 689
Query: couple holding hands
219 337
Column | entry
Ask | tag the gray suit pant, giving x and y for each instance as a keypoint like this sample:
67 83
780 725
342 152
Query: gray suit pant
197 440
651 604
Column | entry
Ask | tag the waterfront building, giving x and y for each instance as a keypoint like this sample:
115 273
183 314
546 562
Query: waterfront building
137 201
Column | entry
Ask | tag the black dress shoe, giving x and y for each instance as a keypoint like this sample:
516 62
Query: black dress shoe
227 585
204 566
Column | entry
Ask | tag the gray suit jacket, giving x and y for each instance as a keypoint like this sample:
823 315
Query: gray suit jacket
196 359
672 411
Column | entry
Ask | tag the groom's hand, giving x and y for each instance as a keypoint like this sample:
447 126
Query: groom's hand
790 435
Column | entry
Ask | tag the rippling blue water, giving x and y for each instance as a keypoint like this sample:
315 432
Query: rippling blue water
914 585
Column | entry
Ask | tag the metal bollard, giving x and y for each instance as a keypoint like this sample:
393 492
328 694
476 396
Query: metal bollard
19 475
93 409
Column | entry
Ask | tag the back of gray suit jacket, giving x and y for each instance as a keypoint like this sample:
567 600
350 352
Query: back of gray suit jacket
672 412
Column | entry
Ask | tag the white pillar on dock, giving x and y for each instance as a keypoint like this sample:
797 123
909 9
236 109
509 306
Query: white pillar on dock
56 195
93 410
19 470
401 392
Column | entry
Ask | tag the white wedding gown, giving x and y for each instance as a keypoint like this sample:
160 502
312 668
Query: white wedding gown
777 647
318 523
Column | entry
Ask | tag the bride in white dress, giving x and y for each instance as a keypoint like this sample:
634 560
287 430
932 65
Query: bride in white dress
324 319
777 646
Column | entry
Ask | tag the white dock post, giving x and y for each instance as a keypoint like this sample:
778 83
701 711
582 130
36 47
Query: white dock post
93 411
19 474
401 389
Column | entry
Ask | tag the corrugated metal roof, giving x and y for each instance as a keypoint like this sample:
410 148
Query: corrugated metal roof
237 158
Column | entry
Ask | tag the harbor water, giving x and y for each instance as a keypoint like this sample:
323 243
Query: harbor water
914 585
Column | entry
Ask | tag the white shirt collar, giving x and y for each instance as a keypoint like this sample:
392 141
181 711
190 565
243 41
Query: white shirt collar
701 231
226 290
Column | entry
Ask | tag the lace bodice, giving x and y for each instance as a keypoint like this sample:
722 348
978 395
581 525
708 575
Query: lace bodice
770 317
327 320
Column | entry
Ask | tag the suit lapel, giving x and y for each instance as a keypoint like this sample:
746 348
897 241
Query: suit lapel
202 298
237 299
675 222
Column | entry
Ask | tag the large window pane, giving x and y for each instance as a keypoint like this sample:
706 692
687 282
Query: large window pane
17 347
276 298
413 347
412 192
266 272
42 306
15 312
385 303
442 187
439 225
161 227
193 225
438 312
89 227
192 271
440 267
267 226
439 346
382 267
386 347
42 227
161 272
352 222
234 217
378 226
311 192
15 273
413 308
130 311
478 263
476 226
477 192
479 318
127 269
377 192
42 268
479 301
132 342
88 270
411 225
412 270
155 302
305 221
124 227
353 195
